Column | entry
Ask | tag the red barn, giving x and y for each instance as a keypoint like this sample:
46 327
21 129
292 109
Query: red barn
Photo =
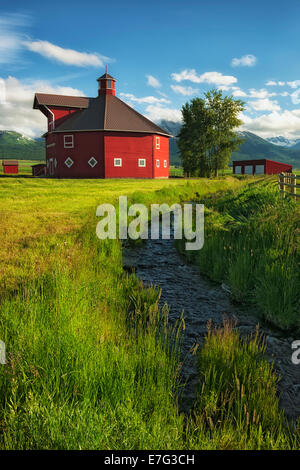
259 167
10 167
101 137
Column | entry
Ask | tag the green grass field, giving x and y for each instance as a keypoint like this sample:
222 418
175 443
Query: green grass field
252 244
92 362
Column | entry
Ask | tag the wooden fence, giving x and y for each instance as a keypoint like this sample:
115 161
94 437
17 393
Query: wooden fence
287 184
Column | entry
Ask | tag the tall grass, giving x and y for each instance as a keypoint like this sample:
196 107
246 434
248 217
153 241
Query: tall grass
92 362
237 403
252 245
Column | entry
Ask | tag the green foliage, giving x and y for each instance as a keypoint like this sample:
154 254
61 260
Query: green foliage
92 360
251 244
207 137
237 403
15 146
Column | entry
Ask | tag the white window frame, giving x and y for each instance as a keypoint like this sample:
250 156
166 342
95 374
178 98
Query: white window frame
165 164
157 142
71 164
107 82
157 163
115 162
92 159
142 162
69 145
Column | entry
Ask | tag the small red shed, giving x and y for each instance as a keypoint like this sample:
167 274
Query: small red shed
101 137
39 169
10 167
260 167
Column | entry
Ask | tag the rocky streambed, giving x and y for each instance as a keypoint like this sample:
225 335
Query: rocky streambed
184 288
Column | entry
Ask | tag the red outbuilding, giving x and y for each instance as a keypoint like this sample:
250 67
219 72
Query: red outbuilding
259 167
101 137
10 167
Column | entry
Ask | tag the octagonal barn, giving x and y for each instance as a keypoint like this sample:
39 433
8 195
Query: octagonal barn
101 137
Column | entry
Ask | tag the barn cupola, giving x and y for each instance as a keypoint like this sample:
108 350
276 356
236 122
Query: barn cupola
106 84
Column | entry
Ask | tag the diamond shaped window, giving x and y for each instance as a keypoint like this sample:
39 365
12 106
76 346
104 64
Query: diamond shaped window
69 162
92 162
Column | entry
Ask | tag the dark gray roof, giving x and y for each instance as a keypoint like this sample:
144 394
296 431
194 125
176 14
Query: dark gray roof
60 100
107 112
106 76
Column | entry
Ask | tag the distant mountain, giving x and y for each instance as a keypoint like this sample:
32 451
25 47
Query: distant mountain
256 147
20 147
283 141
253 147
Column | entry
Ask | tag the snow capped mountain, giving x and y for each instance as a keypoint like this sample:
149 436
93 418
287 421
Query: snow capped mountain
283 141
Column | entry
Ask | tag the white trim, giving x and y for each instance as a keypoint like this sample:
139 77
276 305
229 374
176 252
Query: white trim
165 164
53 120
70 162
157 142
116 159
92 162
111 130
50 145
157 163
69 145
140 160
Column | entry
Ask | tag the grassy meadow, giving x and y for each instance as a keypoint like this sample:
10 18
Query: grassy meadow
252 245
92 362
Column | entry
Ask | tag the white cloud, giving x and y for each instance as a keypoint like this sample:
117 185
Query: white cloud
264 105
273 83
16 102
260 94
294 84
66 56
248 60
146 99
152 81
216 78
157 113
285 123
10 37
295 96
186 91
238 93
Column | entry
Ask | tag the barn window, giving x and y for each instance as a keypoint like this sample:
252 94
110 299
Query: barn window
108 83
165 163
238 170
248 170
117 161
92 162
142 162
157 163
68 141
259 169
69 162
157 141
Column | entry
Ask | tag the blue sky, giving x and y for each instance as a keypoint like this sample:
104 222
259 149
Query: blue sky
163 53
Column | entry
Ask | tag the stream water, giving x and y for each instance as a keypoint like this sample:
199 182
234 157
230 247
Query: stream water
184 288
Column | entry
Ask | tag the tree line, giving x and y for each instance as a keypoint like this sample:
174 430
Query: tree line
208 136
